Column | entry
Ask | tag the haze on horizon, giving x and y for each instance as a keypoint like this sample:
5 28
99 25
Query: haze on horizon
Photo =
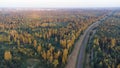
59 3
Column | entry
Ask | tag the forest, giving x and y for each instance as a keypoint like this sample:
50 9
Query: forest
45 38
104 47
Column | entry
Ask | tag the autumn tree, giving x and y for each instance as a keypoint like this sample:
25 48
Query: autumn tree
55 63
113 42
69 44
44 55
96 41
56 55
18 42
51 58
7 55
63 43
35 43
48 54
29 40
39 48
65 55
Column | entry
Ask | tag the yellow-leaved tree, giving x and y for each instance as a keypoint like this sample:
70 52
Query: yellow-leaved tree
7 55
96 41
65 55
51 59
39 48
55 63
35 43
44 55
113 42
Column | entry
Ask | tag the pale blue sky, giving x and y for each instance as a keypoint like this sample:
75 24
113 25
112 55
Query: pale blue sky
59 3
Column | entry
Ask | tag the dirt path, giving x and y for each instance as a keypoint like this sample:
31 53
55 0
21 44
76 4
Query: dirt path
82 41
81 54
79 49
83 45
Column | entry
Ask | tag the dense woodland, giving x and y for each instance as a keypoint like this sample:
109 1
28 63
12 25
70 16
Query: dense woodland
104 47
45 38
